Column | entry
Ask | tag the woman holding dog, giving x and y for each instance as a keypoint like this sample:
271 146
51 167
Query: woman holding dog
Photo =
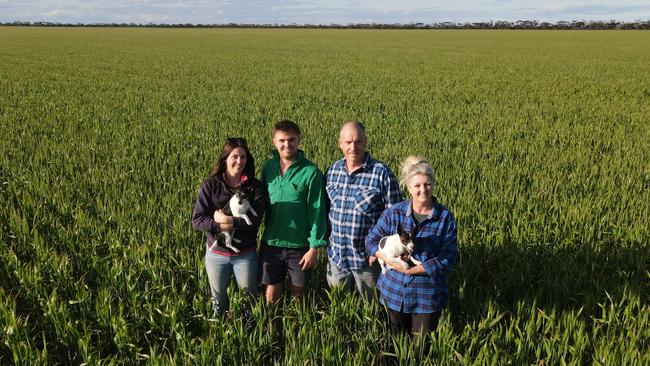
415 297
235 169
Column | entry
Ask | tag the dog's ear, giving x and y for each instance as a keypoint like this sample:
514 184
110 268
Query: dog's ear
404 237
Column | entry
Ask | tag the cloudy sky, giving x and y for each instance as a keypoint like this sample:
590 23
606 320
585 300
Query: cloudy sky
317 12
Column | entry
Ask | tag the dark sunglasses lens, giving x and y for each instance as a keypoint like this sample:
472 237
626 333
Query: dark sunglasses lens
236 141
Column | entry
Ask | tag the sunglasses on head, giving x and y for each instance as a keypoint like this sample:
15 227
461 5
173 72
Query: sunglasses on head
237 141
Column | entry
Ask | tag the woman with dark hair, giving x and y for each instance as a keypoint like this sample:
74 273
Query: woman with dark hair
234 169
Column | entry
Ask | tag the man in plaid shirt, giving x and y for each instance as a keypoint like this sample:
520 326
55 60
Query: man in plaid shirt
359 189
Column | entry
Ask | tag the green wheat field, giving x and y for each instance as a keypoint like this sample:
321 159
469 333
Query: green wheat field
540 141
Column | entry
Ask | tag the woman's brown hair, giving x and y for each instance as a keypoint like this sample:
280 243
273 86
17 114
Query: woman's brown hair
231 144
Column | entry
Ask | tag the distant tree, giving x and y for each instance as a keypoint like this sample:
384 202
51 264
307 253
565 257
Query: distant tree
499 24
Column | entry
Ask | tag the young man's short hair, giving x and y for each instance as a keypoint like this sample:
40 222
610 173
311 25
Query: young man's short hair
286 126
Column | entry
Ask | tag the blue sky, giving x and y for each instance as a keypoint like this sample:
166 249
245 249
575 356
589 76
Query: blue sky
317 12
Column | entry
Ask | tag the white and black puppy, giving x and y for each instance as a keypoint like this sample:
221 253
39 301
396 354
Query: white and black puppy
238 206
395 246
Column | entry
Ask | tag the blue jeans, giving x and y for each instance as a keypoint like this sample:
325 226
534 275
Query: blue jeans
365 278
220 269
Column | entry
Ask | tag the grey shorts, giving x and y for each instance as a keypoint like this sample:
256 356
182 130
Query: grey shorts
276 263
365 277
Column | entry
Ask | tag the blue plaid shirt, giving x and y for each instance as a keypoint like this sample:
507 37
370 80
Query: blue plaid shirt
356 202
435 247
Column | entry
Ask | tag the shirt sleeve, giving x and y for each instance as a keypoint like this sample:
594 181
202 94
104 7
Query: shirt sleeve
259 203
316 210
328 203
202 216
444 262
381 229
262 175
391 189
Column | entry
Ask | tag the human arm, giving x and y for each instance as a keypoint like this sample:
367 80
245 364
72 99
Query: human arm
317 217
328 200
390 189
316 210
391 195
204 209
381 229
418 270
446 258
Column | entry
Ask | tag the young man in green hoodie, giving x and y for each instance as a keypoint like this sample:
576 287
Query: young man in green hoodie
296 221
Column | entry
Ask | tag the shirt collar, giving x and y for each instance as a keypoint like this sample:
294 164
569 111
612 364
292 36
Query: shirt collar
435 213
365 166
222 179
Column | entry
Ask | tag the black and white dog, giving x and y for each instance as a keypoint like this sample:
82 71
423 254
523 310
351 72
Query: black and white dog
238 206
395 246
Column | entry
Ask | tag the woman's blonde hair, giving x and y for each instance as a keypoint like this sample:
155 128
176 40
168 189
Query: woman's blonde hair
414 165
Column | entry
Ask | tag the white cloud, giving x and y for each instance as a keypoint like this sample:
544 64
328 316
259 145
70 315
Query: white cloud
147 18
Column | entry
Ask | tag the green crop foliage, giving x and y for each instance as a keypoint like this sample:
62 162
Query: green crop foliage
539 140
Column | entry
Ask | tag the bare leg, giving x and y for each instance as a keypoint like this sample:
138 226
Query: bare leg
273 293
297 291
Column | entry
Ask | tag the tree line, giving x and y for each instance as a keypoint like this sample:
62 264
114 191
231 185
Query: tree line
501 24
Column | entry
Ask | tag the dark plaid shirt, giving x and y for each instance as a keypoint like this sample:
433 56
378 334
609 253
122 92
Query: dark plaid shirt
435 247
356 201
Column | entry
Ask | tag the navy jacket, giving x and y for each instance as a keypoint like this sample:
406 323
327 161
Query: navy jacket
214 195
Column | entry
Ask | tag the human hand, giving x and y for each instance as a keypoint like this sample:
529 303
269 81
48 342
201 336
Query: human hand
380 255
309 259
397 266
372 259
221 218
225 227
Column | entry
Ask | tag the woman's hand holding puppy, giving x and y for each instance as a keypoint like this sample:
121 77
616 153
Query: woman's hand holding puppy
412 271
224 221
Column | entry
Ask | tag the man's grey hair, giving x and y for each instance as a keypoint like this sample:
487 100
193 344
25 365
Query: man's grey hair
358 125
